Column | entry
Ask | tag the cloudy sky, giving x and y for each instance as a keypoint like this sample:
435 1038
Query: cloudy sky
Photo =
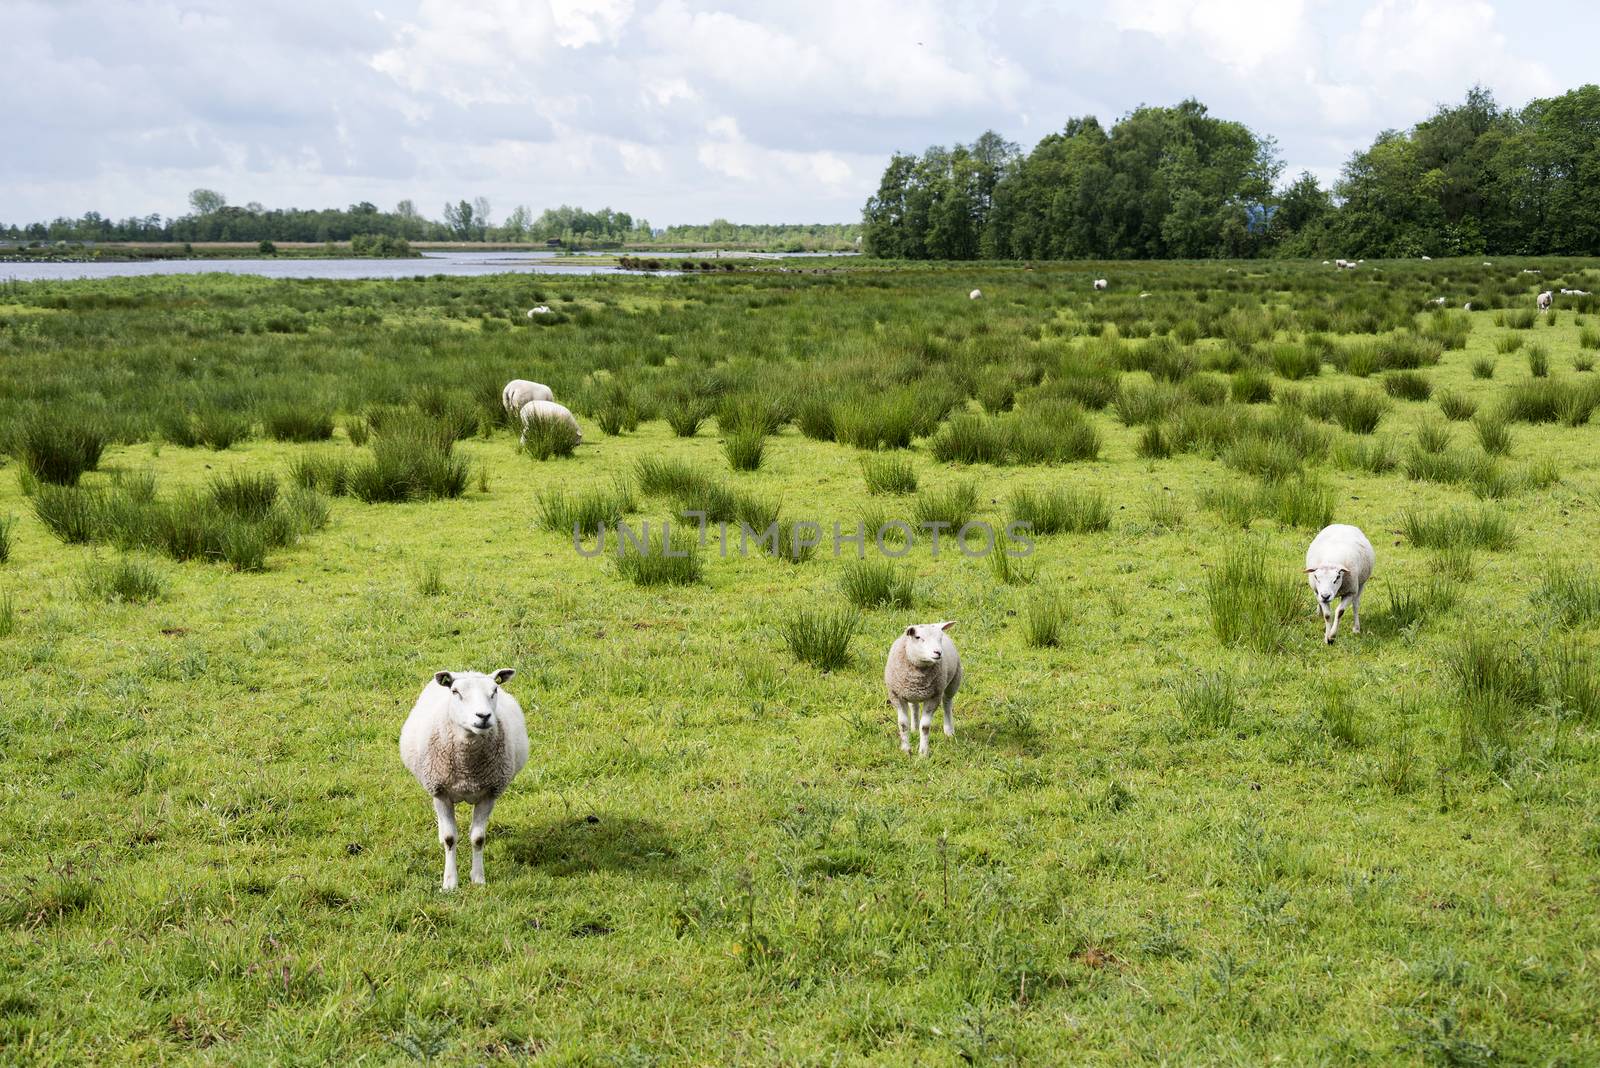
684 110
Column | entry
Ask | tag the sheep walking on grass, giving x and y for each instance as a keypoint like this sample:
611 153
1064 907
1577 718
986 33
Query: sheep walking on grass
465 740
1545 300
1338 565
976 294
923 671
519 391
548 410
1100 283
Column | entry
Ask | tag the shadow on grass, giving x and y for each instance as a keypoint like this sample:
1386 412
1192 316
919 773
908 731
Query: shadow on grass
594 843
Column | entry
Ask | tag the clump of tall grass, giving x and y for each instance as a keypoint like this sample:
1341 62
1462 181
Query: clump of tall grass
794 541
249 496
1493 434
1208 702
1056 510
219 427
1589 338
1250 386
409 462
1009 570
888 475
1050 432
1570 595
1376 456
298 421
72 513
1249 603
1411 606
8 526
814 417
1480 528
684 414
1506 344
953 505
1165 511
1457 407
1433 437
325 470
889 419
586 512
1407 385
668 556
745 446
1538 361
176 427
1549 401
971 439
1583 363
876 584
1292 361
1358 410
547 439
454 415
1483 367
1045 619
358 430
1495 683
1154 443
57 445
1574 681
121 580
1139 404
819 637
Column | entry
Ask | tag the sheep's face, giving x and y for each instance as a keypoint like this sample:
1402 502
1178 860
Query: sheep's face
1327 581
473 698
924 645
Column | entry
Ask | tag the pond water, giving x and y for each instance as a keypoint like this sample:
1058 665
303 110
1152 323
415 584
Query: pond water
431 263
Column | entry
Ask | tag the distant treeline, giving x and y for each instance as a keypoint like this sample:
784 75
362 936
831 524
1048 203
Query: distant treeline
1474 179
212 218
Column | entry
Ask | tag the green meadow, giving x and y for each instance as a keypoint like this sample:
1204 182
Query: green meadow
245 520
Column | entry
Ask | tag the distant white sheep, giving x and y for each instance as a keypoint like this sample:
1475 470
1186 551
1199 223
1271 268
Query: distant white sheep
465 740
1531 270
1427 257
1437 300
976 294
543 309
519 391
1100 283
1143 295
1467 306
923 671
543 409
1574 292
1338 565
1545 300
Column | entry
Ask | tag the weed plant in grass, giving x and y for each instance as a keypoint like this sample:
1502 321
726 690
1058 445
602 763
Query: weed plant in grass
1045 619
1494 435
1164 511
1506 344
1550 401
1375 457
57 446
1483 527
1538 361
1571 595
1250 386
410 462
874 583
1412 606
1061 511
1583 363
685 413
1250 603
1154 443
120 580
1483 368
889 475
795 541
1011 570
970 439
324 470
1572 681
8 615
660 555
819 636
1358 410
1208 703
428 578
219 428
1496 683
8 526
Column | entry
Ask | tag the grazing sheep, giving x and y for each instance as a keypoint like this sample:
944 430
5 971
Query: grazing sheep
1467 306
543 409
465 740
1531 270
1143 295
923 670
1338 565
1100 283
1427 257
1574 292
1325 263
1437 300
519 391
1545 300
1486 263
543 309
975 294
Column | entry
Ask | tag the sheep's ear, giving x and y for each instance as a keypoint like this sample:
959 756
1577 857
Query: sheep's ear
504 675
911 632
1309 570
947 625
1344 571
444 678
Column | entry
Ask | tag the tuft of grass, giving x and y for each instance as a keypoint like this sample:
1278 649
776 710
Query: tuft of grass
1250 386
358 430
1407 385
1045 619
429 579
1495 683
1574 681
1009 570
8 526
1480 528
1433 437
1248 603
1376 456
796 541
1538 361
820 637
663 556
219 427
954 505
1358 410
745 446
684 414
1410 607
1571 595
57 445
1506 344
1457 407
72 513
1165 511
547 439
1483 368
970 439
8 615
1058 511
122 580
888 475
876 584
1153 443
1208 702
298 422
586 512
249 496
410 462
325 470
1494 435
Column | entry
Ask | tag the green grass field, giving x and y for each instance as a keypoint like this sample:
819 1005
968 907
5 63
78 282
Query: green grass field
1174 828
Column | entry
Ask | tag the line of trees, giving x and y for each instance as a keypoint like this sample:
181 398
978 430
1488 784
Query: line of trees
1473 179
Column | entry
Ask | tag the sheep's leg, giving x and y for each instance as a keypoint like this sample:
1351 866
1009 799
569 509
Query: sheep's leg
949 715
905 723
925 721
446 811
479 832
1334 612
1355 613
